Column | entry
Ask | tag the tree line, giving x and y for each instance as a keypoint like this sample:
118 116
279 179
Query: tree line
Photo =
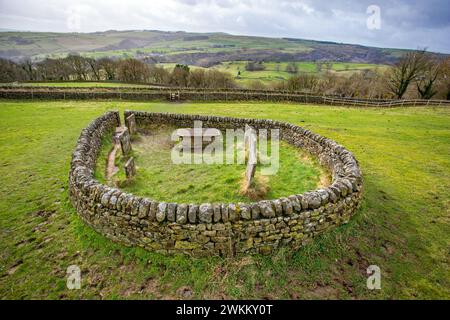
131 70
417 74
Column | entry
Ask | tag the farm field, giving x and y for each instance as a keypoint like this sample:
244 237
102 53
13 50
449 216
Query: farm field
403 225
276 71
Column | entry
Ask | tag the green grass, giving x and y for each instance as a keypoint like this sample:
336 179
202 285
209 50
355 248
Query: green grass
206 182
402 226
276 71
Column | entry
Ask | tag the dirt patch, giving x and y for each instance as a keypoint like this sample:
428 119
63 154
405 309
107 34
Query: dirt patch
14 267
184 292
258 190
324 179
43 213
111 168
324 292
151 288
45 241
41 227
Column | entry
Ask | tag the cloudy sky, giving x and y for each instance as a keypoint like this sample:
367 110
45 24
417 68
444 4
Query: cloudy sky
395 23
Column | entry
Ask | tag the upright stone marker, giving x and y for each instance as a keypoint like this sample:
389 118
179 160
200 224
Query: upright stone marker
125 142
130 122
130 168
250 143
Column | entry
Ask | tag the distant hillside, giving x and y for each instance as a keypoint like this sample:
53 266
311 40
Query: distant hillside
202 49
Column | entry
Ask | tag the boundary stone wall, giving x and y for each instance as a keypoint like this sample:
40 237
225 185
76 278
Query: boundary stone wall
158 94
214 228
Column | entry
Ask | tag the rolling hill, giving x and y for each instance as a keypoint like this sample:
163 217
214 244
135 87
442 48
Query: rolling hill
201 49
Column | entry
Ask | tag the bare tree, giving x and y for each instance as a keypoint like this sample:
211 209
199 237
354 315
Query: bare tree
217 79
55 69
79 66
255 66
10 71
158 75
443 84
256 85
28 66
327 83
109 67
406 71
292 67
197 78
427 78
179 76
132 70
319 66
94 67
303 81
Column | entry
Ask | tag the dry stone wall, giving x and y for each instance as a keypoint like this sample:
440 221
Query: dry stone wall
183 94
214 228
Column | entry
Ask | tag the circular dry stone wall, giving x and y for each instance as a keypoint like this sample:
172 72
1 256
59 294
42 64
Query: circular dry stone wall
204 229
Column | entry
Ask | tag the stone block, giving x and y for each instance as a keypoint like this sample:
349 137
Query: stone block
130 122
130 168
125 142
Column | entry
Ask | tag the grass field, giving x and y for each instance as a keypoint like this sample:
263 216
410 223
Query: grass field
276 71
403 225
